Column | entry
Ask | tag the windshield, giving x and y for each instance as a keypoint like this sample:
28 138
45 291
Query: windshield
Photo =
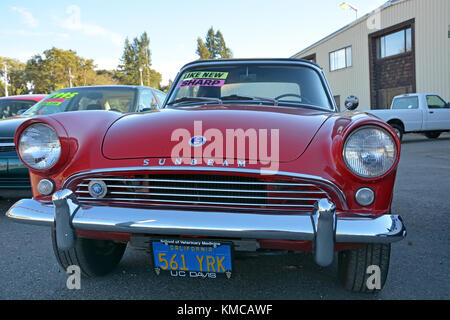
10 107
79 99
288 85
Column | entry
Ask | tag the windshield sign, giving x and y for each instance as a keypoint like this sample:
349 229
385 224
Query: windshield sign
285 85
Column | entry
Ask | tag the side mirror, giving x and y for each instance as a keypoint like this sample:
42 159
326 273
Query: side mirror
351 103
21 111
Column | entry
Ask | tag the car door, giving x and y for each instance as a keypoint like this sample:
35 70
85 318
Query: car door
406 108
438 113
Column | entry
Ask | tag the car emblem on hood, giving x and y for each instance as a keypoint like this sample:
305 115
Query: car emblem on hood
197 141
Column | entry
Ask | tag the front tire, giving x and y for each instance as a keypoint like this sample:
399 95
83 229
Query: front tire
432 134
94 257
353 266
398 130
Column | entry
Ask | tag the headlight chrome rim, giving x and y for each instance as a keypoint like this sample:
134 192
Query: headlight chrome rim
48 158
378 174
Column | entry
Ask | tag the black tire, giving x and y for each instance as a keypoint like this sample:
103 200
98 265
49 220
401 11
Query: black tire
432 134
398 129
94 257
353 266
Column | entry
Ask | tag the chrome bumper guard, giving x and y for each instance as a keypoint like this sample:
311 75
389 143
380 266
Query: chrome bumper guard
322 226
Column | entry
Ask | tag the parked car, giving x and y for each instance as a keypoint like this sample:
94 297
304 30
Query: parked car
247 156
10 165
122 99
425 113
14 105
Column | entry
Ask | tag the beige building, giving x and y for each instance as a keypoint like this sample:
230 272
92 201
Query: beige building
402 47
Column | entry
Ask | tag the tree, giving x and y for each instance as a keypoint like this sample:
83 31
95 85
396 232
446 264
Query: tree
213 47
166 88
57 69
137 56
17 83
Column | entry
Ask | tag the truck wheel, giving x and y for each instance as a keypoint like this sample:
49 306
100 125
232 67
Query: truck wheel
432 134
398 129
356 266
94 257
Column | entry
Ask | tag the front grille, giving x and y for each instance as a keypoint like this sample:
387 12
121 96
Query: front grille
7 145
205 190
7 148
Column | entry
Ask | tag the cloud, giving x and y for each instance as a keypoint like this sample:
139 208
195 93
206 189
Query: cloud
73 22
26 17
27 33
107 63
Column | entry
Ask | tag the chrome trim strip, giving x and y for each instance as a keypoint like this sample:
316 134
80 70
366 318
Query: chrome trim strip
383 229
7 144
235 204
208 182
316 179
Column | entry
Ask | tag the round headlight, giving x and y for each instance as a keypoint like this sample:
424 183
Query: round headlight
39 146
370 152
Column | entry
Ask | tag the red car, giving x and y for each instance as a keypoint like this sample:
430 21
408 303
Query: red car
13 105
246 156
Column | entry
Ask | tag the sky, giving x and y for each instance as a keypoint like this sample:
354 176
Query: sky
97 29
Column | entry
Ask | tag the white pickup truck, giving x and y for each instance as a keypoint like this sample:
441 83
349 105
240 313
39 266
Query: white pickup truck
427 113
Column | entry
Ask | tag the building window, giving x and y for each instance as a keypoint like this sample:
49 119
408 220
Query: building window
394 43
385 96
341 59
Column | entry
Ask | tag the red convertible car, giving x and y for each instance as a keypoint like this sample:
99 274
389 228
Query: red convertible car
246 156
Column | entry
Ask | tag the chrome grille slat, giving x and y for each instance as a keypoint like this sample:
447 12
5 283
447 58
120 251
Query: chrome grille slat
205 189
199 202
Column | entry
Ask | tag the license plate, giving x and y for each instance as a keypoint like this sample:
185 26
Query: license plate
192 258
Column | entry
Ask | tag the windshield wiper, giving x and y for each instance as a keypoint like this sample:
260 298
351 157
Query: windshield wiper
193 99
238 97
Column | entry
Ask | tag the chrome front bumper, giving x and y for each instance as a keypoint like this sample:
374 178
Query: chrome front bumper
324 227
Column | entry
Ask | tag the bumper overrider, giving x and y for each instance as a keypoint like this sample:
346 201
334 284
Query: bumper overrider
322 226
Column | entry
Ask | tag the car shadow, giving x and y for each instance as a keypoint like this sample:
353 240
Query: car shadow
424 139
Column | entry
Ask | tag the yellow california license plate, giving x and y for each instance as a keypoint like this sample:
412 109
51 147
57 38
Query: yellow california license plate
192 258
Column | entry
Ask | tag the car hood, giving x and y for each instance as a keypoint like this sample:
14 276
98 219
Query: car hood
156 134
8 126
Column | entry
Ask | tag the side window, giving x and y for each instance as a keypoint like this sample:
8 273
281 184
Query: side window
11 108
161 96
435 102
406 103
147 101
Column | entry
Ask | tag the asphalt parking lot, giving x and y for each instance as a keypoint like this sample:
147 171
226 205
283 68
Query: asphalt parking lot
419 264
